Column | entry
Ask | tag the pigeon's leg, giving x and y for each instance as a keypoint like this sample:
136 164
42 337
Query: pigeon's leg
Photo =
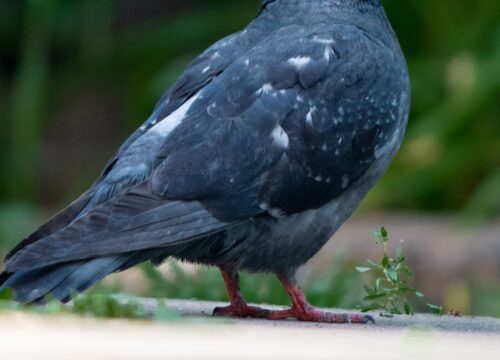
303 311
238 305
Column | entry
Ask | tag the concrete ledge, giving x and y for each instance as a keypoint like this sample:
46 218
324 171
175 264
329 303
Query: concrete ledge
465 324
28 336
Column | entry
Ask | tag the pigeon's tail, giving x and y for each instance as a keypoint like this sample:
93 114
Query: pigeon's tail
63 280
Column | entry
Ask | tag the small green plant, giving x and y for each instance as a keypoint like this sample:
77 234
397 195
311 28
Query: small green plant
390 288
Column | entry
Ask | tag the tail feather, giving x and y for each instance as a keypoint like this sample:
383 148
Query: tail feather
62 280
85 276
32 285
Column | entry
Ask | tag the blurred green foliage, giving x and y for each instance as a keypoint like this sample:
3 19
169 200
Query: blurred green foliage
55 52
93 304
77 76
452 152
336 287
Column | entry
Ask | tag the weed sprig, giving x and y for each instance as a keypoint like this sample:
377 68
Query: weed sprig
390 289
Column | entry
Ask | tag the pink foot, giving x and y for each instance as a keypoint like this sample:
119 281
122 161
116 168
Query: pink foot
241 310
309 313
303 311
300 310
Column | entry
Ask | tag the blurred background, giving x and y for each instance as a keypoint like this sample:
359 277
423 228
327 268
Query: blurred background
76 77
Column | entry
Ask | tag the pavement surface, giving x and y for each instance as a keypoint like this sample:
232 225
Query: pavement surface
200 336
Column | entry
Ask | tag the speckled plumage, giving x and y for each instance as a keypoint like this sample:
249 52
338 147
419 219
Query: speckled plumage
250 161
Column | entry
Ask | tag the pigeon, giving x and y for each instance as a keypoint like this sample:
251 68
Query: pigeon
250 161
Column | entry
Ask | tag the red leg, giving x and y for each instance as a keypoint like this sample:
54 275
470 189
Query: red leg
238 307
303 311
300 310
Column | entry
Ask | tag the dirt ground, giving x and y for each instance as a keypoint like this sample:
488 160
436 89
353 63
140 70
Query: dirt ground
200 336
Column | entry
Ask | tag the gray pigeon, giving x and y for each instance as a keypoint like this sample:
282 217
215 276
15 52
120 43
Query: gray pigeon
250 161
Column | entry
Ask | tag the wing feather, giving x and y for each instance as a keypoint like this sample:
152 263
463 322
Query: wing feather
113 228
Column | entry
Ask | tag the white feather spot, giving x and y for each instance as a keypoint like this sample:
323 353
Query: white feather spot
267 88
205 69
264 206
323 40
299 61
247 62
309 116
328 53
318 178
165 126
345 181
277 213
273 211
280 137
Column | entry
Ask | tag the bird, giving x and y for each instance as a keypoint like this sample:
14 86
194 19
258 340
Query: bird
250 161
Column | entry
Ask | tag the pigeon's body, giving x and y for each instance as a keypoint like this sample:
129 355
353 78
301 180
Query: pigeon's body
250 161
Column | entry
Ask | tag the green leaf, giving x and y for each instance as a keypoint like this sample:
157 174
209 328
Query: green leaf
374 296
363 269
385 261
383 232
399 250
392 274
436 309
378 266
395 310
419 293
408 309
407 271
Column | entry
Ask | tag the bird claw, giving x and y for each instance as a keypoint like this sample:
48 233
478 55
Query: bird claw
241 310
369 318
309 314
